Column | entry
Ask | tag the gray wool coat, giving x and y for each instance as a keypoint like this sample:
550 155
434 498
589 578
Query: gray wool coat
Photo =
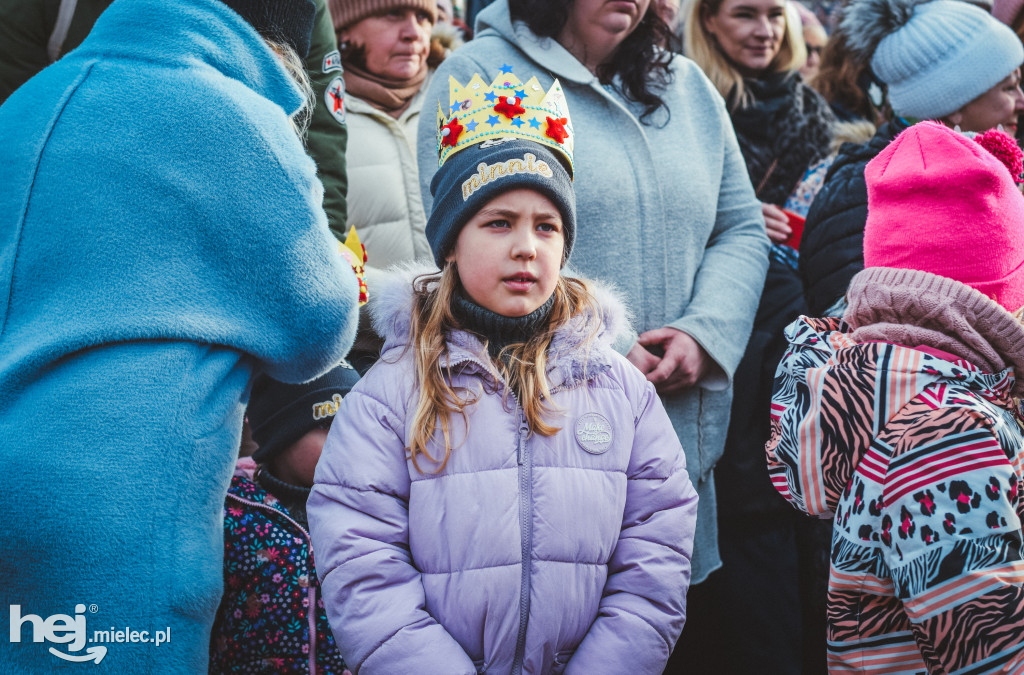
665 211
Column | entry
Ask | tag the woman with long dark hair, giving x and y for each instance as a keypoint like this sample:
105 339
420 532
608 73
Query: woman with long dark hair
666 209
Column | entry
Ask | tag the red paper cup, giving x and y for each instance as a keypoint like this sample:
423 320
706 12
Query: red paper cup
796 223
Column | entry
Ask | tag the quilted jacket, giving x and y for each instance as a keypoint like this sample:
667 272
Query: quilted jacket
525 553
271 618
919 455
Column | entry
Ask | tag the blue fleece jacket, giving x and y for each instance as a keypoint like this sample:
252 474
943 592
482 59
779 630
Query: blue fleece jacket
161 239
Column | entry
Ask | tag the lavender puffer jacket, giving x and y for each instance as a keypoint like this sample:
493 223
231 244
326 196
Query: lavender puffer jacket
423 572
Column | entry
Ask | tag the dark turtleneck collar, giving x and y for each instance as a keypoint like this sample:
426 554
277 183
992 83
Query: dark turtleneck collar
292 497
499 330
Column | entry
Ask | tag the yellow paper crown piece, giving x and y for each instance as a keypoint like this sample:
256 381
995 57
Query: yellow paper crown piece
354 252
478 112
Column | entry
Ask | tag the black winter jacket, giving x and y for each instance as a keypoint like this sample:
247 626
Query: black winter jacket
832 247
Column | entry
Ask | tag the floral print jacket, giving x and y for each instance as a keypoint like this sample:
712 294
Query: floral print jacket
271 618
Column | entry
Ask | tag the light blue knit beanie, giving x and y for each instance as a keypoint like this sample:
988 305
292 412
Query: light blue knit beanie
934 56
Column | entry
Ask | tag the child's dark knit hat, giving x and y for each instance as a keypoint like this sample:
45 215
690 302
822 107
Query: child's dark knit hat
477 174
491 139
280 414
290 21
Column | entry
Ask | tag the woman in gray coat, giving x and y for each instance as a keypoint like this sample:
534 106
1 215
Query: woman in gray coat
666 210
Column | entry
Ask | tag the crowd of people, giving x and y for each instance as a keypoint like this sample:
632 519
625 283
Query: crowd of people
504 336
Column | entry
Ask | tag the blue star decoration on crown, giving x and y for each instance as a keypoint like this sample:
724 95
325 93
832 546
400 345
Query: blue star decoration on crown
490 97
492 120
506 69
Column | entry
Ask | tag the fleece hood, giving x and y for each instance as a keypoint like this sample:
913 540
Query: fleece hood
568 363
833 396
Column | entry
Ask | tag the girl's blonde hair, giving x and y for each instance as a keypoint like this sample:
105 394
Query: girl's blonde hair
301 118
700 47
522 366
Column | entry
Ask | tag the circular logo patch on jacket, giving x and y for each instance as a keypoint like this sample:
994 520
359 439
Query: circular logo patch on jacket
594 433
334 97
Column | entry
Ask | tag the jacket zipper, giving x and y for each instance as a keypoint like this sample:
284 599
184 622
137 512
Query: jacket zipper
311 589
525 461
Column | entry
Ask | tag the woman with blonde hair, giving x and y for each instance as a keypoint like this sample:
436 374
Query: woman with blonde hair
752 51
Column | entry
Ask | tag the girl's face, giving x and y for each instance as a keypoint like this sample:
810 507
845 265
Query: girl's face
397 42
748 32
509 254
1002 104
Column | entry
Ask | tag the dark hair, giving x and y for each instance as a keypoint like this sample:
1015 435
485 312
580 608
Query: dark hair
844 77
640 61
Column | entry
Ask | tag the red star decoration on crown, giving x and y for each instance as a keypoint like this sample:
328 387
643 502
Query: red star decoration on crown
556 129
450 132
509 106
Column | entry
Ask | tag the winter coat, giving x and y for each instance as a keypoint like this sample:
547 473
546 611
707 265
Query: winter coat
161 238
28 27
831 250
271 618
784 129
384 188
664 209
423 571
919 456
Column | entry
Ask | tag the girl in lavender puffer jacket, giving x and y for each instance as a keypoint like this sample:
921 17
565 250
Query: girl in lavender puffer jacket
502 492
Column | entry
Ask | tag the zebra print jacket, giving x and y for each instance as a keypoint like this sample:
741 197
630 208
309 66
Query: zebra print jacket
918 456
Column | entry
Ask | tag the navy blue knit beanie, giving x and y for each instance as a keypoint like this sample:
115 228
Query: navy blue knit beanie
289 21
280 414
477 174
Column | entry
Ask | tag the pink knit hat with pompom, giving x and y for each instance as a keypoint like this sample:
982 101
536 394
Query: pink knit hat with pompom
941 203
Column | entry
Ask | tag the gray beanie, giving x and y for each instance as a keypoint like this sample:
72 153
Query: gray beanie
934 56
477 174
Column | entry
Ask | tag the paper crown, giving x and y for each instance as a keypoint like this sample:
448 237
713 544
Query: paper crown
354 252
506 108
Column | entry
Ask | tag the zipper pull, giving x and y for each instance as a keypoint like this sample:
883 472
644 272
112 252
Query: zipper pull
523 431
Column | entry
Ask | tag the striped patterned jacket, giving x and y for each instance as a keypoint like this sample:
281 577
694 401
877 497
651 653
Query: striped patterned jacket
918 457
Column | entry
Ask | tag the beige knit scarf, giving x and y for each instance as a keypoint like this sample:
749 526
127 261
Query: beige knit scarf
386 94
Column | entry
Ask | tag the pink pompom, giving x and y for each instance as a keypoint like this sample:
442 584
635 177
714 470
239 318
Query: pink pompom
1004 148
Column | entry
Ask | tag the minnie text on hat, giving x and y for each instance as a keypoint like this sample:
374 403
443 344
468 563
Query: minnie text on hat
487 173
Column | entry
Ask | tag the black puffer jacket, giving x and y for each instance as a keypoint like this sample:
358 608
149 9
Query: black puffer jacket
832 247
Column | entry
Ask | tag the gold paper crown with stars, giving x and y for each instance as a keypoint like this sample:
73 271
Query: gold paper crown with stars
507 108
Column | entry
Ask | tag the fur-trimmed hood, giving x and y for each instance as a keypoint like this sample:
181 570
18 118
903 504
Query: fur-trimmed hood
570 362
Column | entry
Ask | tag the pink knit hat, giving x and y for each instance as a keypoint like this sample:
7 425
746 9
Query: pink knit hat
940 203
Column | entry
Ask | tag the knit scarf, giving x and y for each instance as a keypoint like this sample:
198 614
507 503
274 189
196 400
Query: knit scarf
784 128
390 96
913 309
499 330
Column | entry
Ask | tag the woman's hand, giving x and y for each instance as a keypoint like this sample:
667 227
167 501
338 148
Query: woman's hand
776 223
642 359
684 363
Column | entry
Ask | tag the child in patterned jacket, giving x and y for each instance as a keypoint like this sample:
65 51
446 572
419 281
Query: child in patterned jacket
271 618
899 420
